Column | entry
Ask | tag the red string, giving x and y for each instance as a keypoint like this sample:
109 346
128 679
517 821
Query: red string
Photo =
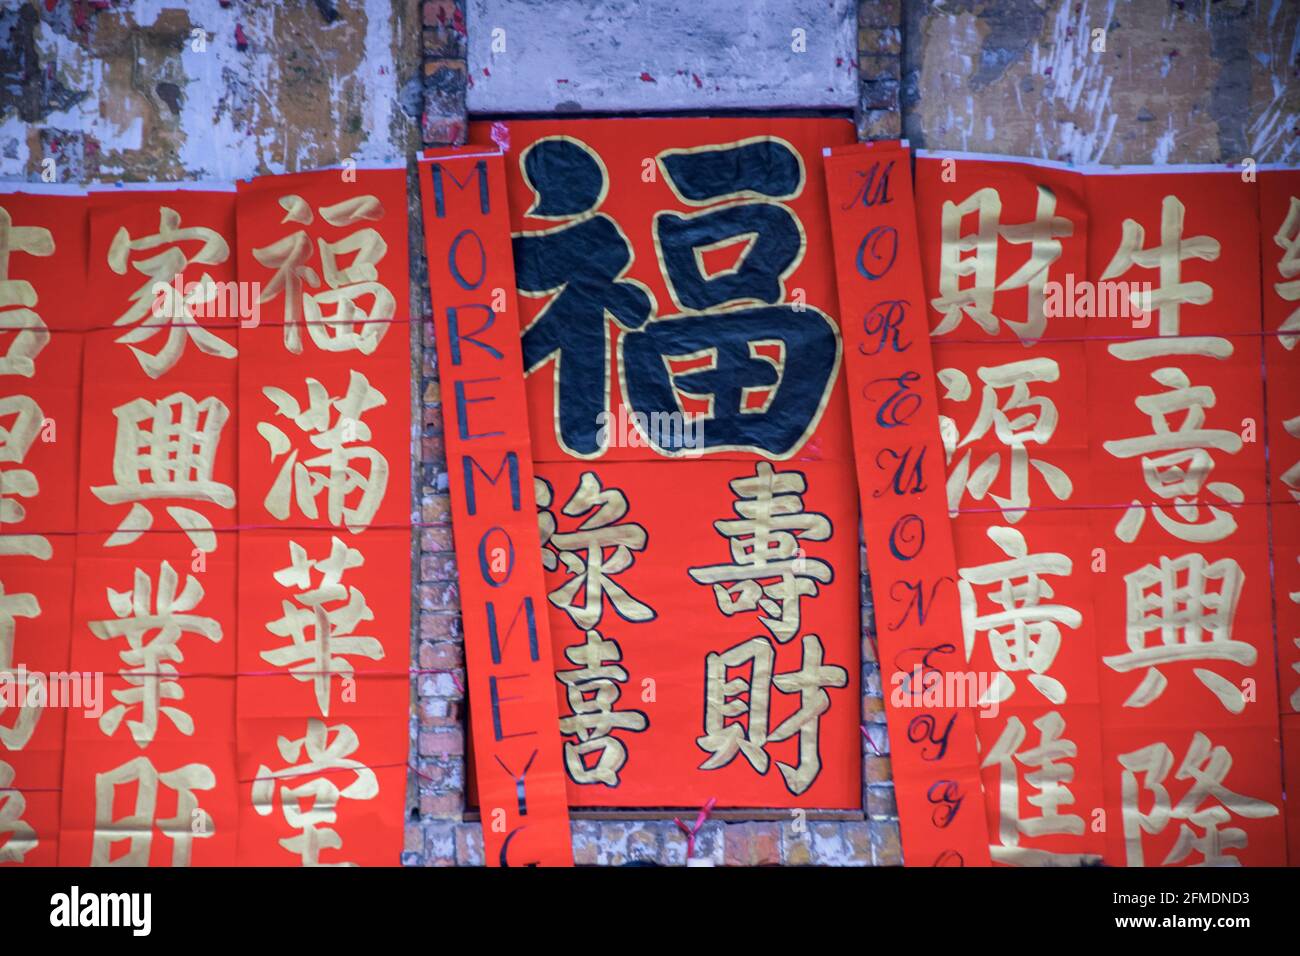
870 743
692 832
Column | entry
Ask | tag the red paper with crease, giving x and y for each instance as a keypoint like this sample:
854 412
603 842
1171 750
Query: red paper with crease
1013 407
323 697
703 598
513 716
899 456
152 781
1189 708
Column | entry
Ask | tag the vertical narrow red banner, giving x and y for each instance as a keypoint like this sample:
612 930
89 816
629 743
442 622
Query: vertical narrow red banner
514 721
1279 243
324 509
42 282
152 780
899 457
1186 657
1000 238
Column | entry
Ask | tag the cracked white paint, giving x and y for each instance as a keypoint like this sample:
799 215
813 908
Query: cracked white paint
1155 94
14 151
78 70
1079 78
232 122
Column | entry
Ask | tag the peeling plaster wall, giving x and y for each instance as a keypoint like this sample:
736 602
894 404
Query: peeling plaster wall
636 55
162 90
1187 81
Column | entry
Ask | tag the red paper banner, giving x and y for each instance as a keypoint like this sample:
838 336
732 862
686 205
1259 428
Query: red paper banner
1095 338
152 781
678 312
1013 396
1188 675
899 459
520 784
324 466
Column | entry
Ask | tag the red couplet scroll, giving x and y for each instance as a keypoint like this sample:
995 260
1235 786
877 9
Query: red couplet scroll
323 693
900 466
152 780
514 721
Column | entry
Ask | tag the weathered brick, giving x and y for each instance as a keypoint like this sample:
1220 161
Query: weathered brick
434 540
643 842
886 848
439 844
871 680
796 848
432 449
877 769
441 130
442 596
437 743
710 842
612 844
413 840
858 835
881 802
435 510
469 844
443 655
880 13
880 40
438 567
443 44
438 625
444 805
446 684
439 13
873 68
752 844
880 93
877 740
879 124
586 842
873 709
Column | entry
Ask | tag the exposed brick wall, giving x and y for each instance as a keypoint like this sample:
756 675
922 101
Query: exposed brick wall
436 834
444 33
880 48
